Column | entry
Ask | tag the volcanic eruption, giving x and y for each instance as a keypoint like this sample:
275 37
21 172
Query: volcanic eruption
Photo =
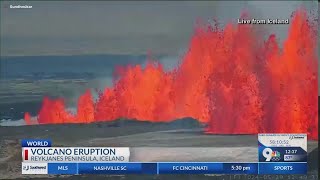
231 79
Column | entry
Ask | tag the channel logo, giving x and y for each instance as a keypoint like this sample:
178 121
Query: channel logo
25 167
294 137
34 168
271 155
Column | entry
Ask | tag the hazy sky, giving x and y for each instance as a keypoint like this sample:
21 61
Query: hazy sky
107 27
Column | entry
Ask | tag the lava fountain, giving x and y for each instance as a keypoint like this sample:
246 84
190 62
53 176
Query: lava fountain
230 78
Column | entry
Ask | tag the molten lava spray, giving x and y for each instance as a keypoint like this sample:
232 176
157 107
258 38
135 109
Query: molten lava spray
230 79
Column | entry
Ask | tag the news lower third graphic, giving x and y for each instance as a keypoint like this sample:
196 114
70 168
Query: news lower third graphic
288 150
278 154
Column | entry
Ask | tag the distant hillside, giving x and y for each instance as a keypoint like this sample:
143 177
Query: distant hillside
64 66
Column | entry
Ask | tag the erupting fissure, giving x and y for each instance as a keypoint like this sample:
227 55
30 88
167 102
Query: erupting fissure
230 79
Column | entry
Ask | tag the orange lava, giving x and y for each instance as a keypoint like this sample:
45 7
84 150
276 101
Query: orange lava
231 79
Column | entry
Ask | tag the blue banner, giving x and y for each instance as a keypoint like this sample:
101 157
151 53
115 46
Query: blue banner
177 168
62 168
35 143
190 168
240 168
117 168
283 168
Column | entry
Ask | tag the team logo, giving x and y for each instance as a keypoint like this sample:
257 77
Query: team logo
271 155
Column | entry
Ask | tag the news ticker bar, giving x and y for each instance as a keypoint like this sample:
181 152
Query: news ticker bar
165 168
